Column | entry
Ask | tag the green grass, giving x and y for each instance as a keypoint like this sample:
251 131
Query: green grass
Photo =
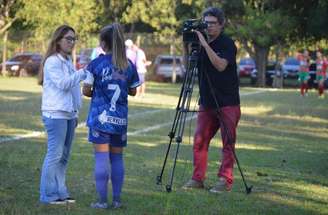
282 147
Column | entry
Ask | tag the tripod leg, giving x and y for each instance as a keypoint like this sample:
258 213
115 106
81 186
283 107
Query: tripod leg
171 135
247 188
159 177
173 130
230 141
169 186
180 117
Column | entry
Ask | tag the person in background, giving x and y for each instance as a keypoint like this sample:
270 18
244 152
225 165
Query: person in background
321 67
61 101
219 102
96 52
141 63
325 82
111 78
131 51
303 74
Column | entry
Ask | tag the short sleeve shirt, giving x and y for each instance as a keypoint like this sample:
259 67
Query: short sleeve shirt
131 54
109 103
223 84
140 62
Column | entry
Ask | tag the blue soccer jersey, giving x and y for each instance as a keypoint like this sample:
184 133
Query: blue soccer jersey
109 103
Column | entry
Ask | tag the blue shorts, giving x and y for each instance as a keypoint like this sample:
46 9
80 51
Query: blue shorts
99 137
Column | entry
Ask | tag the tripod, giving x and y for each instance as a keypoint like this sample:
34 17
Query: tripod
182 110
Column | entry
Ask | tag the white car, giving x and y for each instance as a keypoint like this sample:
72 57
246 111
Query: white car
164 66
290 67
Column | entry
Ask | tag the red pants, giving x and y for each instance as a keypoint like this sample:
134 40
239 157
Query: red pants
208 124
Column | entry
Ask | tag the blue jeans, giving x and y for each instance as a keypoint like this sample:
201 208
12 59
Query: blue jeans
60 136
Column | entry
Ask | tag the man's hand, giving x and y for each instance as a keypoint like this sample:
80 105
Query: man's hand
219 63
201 38
87 90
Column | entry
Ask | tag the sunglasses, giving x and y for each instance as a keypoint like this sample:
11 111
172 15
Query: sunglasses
211 22
71 39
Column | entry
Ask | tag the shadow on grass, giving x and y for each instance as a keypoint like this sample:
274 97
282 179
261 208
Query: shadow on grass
141 194
280 153
20 110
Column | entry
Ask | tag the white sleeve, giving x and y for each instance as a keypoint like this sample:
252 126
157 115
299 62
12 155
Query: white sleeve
54 70
89 79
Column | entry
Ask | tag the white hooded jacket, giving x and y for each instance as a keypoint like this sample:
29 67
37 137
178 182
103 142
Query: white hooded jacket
61 86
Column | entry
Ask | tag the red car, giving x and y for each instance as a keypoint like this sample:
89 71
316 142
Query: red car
245 67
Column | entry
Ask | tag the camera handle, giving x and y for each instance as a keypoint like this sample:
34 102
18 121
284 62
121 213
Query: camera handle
182 110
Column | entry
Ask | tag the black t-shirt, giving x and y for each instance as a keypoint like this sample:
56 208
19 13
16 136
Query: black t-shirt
225 83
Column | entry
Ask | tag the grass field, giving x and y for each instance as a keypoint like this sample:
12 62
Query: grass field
282 147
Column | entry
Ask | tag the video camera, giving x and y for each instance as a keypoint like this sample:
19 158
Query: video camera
188 34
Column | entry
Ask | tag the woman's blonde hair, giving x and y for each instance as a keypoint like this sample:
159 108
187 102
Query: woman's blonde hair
53 47
113 37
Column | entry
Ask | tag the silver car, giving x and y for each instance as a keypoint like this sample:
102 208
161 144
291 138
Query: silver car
290 67
164 66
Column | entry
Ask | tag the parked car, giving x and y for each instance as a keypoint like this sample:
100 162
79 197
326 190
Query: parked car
245 67
164 65
290 67
270 72
23 64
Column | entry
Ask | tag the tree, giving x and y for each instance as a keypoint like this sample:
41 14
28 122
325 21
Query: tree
165 17
112 10
312 18
7 18
262 24
259 25
160 15
45 16
318 20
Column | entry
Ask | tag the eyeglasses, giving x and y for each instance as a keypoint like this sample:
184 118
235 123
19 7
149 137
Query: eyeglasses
71 39
211 22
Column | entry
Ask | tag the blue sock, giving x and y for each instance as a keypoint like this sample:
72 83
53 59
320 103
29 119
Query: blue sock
101 174
117 175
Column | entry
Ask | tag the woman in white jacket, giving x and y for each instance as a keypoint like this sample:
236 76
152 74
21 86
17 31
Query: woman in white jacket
61 101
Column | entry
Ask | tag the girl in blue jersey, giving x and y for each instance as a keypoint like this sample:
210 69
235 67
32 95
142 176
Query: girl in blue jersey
111 78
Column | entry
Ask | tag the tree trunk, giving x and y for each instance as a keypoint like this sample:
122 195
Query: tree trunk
174 72
131 29
278 78
261 58
4 53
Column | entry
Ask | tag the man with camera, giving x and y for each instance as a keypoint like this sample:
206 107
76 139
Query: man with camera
219 102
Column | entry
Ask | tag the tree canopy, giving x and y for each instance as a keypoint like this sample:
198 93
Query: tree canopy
45 16
258 25
261 24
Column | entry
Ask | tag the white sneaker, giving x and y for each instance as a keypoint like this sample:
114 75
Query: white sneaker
58 202
70 200
99 205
